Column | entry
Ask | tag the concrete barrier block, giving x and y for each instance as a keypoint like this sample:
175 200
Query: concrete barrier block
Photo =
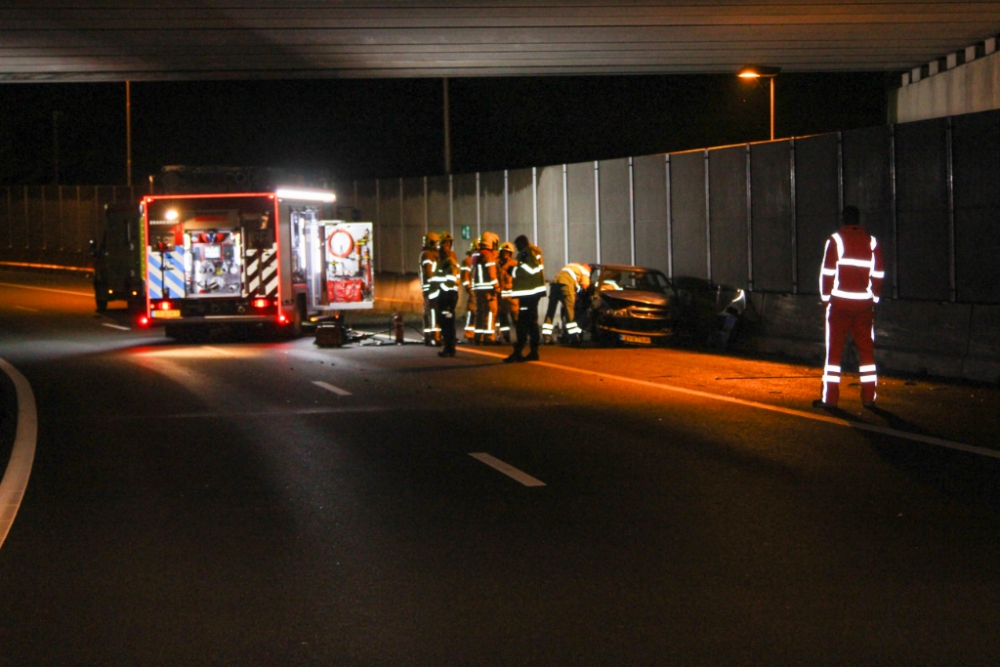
398 292
791 316
926 327
982 362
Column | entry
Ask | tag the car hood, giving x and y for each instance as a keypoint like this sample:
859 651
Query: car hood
624 298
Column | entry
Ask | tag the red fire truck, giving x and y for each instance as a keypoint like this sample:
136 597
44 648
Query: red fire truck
240 258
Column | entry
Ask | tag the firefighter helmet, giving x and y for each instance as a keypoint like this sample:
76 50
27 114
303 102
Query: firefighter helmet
490 240
445 236
508 246
474 246
430 239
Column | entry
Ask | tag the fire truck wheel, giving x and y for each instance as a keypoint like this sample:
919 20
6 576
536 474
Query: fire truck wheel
102 305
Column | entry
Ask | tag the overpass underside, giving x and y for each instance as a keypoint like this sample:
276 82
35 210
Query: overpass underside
221 39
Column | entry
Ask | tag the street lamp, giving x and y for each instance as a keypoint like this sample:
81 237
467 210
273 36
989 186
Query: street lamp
762 72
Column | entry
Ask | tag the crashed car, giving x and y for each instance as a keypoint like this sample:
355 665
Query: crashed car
641 306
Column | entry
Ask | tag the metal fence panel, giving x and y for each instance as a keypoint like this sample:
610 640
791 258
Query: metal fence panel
551 218
582 204
368 204
521 201
688 214
651 239
817 204
465 203
976 151
493 206
391 225
727 185
414 222
6 221
868 184
34 218
439 206
616 211
922 210
771 215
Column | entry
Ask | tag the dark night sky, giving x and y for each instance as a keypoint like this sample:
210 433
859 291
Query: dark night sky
386 128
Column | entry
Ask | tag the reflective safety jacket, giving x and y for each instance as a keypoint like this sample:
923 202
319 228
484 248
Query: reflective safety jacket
852 268
428 266
528 277
466 272
446 273
484 271
573 276
504 268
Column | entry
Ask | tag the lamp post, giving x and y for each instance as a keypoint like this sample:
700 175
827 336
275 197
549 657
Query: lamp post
762 72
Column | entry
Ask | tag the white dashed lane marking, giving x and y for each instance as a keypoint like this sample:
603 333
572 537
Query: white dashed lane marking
329 387
507 469
116 326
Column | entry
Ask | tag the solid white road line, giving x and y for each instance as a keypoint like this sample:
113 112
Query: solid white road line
507 469
861 426
49 289
115 326
329 387
219 350
22 456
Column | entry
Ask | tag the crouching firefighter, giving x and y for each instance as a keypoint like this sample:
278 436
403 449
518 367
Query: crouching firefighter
572 278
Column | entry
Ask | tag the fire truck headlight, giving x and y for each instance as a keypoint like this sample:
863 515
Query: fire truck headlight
171 215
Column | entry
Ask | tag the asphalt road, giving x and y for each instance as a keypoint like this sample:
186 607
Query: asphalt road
247 502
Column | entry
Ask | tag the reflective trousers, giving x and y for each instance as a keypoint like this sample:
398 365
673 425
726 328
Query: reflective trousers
527 323
486 316
446 303
507 316
560 293
470 315
856 319
432 332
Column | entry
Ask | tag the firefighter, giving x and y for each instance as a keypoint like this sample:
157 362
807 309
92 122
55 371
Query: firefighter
571 279
429 287
507 306
528 287
850 283
447 279
486 287
470 298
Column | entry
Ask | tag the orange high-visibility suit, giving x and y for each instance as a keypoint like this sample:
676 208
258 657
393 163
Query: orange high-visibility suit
850 284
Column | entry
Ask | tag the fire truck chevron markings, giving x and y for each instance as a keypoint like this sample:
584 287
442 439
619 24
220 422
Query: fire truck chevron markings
329 387
507 469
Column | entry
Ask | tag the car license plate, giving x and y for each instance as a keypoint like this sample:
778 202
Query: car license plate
642 340
166 314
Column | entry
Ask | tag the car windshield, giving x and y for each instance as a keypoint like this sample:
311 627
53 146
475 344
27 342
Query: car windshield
632 279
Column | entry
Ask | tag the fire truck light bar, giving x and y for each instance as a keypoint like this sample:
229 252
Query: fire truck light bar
306 195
